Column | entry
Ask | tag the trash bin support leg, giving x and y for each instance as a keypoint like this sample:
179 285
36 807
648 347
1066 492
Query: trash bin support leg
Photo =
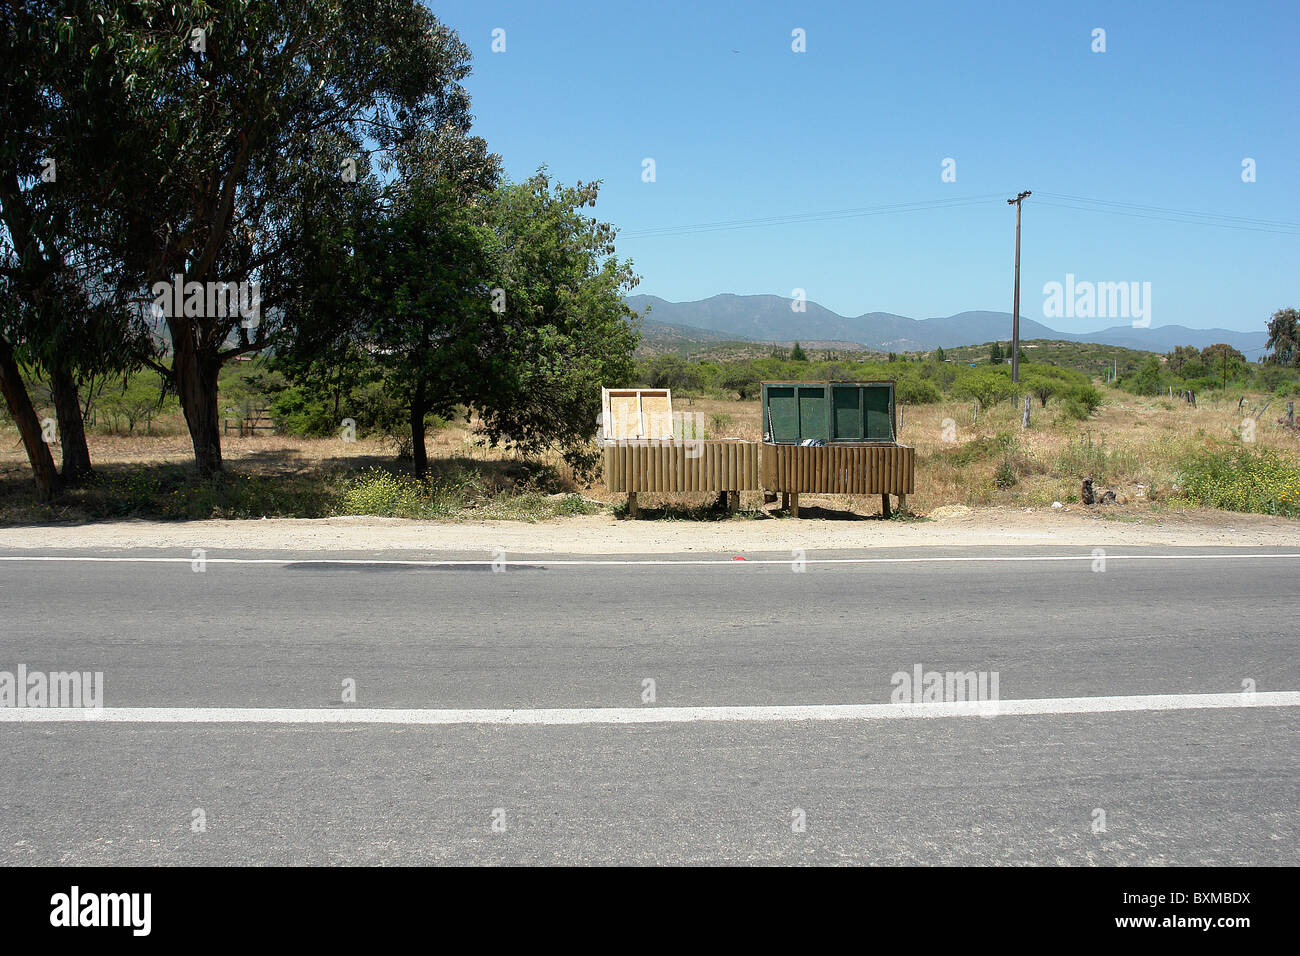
884 505
794 504
632 510
785 501
902 504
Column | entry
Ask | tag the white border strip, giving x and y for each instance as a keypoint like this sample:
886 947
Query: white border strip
644 715
549 562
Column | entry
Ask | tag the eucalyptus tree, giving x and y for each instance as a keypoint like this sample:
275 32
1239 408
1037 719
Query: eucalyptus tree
243 127
65 314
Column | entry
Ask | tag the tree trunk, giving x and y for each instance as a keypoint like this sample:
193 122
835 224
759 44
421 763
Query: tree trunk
72 428
419 455
195 373
29 426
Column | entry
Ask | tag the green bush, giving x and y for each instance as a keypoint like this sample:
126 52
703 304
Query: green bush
1005 476
1087 395
299 412
1084 458
987 386
982 449
383 494
456 494
1259 481
915 391
1148 380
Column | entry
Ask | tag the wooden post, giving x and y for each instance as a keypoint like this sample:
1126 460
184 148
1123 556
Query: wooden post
632 510
1290 414
785 501
733 501
1015 298
902 504
794 504
976 407
1024 422
884 504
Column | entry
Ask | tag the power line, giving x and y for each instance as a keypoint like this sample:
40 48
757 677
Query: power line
1180 212
793 218
1182 216
1063 201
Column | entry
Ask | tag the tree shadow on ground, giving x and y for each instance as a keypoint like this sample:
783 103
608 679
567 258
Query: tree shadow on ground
273 482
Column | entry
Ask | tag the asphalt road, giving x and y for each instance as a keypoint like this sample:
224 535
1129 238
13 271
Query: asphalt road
1176 787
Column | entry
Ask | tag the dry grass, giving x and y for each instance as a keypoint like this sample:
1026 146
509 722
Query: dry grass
1132 445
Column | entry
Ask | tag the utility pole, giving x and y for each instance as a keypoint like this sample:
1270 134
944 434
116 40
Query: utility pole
1015 300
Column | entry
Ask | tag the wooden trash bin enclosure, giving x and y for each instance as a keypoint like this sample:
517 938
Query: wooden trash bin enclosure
840 469
820 437
835 438
716 465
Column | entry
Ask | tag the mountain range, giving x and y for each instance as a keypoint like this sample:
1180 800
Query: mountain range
769 318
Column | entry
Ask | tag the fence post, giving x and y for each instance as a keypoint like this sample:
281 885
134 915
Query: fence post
1024 422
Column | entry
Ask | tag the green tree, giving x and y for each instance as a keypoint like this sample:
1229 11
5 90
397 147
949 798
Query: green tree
1223 362
742 378
63 299
569 332
1147 381
938 355
427 309
986 386
1043 387
1180 356
797 354
236 128
995 354
1284 337
671 371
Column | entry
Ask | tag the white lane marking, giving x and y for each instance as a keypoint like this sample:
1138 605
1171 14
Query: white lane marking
533 562
644 715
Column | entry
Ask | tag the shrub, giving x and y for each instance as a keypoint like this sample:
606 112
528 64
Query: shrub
1005 476
1086 395
986 386
979 449
1242 480
1075 411
1148 379
1084 458
915 391
457 493
383 494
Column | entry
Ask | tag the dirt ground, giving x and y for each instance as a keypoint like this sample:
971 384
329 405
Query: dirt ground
601 534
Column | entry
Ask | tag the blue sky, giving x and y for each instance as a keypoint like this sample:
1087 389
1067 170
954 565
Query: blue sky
884 93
